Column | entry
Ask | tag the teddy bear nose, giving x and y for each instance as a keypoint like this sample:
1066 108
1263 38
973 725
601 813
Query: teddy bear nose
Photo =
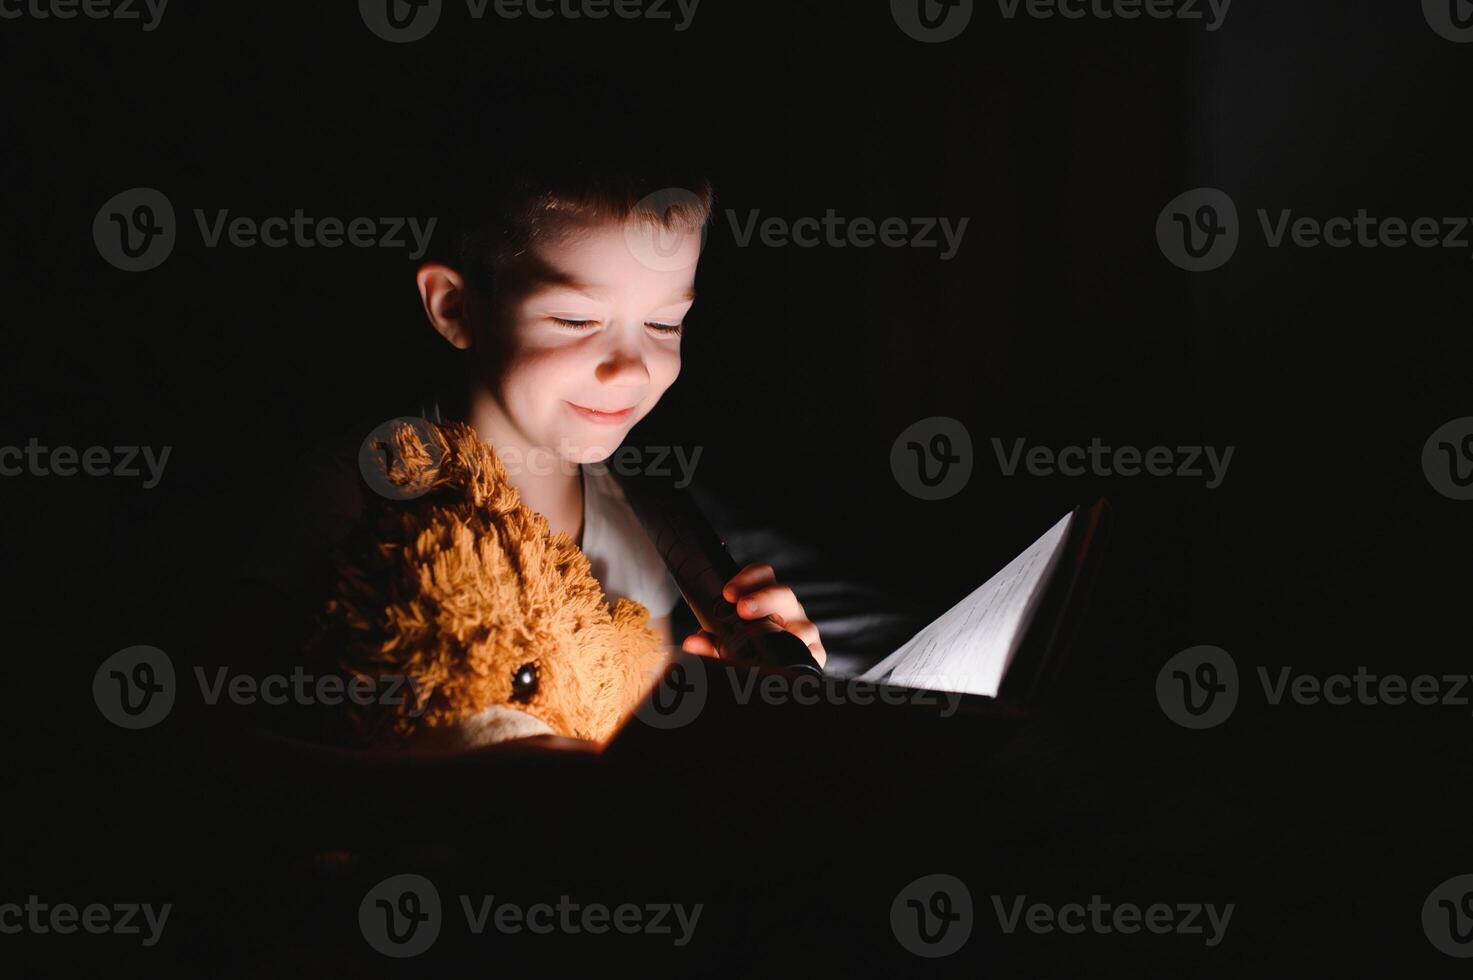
524 682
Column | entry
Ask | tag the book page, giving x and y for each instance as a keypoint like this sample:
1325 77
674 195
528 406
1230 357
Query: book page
968 648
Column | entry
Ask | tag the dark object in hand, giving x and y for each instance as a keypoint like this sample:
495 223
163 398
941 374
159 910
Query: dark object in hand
701 566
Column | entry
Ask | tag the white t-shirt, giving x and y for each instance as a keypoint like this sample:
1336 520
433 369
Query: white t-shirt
620 554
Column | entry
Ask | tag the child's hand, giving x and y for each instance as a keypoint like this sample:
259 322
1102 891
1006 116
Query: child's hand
756 594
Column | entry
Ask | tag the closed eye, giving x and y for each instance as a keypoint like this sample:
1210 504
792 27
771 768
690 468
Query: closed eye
657 326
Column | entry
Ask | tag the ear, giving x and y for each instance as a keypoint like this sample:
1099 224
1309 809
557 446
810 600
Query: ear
446 301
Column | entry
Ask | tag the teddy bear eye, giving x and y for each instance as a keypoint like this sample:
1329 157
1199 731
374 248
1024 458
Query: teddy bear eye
524 682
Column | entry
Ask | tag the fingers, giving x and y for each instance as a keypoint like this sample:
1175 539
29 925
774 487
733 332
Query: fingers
806 631
754 576
701 644
756 593
777 601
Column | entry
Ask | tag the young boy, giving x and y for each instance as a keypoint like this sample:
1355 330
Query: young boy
568 294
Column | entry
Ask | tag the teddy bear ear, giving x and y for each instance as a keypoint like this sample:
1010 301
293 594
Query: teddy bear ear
406 458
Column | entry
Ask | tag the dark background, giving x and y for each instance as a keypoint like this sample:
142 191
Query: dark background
1059 320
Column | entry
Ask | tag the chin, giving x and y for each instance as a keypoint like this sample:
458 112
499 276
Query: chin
586 449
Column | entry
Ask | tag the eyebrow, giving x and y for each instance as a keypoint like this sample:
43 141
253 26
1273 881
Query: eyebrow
553 279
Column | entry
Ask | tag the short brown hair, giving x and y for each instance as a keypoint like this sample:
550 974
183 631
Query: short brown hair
533 199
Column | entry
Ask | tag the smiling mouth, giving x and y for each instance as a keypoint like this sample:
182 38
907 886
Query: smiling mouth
595 415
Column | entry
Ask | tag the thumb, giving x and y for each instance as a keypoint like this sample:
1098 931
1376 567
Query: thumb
703 644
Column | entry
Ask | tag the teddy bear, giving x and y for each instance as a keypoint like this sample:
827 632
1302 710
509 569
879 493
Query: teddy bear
494 624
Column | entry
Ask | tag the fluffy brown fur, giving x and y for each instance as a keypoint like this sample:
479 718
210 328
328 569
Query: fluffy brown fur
460 586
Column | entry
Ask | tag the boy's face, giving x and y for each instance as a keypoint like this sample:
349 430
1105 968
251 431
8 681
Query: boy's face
592 338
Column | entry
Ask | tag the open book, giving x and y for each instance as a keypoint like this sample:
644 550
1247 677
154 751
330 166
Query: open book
999 648
1006 638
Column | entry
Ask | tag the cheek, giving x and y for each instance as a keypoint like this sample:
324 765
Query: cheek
664 368
536 381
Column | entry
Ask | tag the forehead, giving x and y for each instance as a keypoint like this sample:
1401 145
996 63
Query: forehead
628 258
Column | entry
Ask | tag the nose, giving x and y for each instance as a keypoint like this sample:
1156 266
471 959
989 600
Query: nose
623 365
498 723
